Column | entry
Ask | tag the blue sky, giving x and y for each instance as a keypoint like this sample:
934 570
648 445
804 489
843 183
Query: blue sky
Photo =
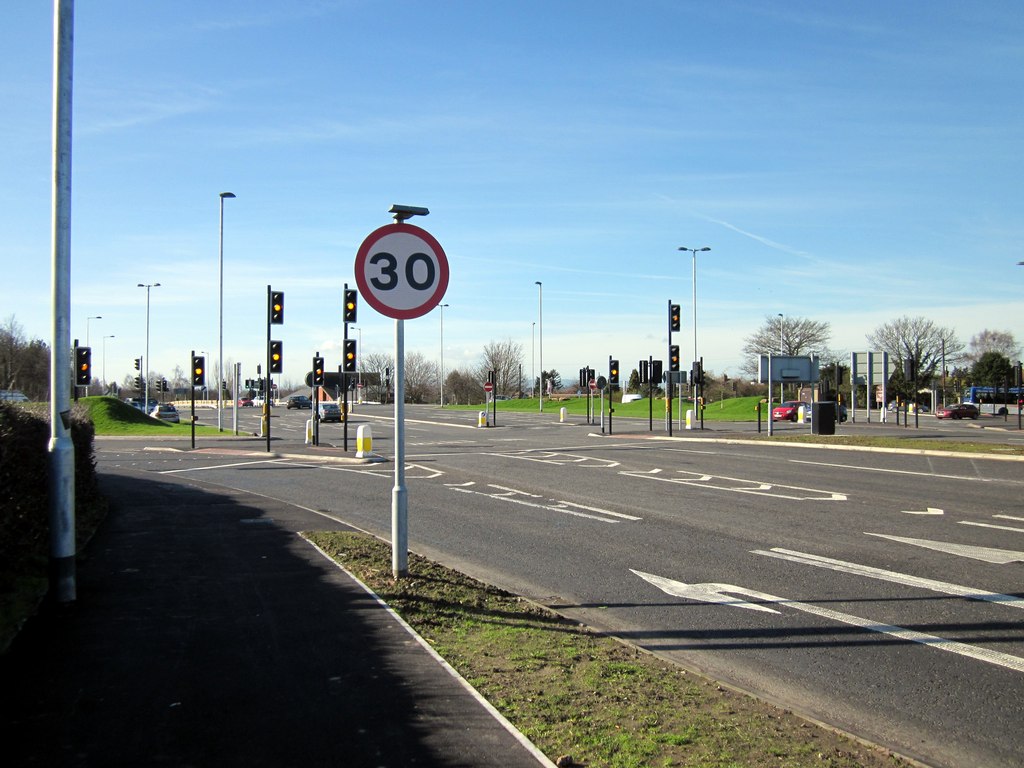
845 162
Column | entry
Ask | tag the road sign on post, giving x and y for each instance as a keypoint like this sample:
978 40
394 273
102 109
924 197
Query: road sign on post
402 272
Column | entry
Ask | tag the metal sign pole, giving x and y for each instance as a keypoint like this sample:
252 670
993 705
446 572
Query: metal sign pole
399 495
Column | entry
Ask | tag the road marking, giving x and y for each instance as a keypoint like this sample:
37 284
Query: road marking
523 498
722 594
985 554
560 459
928 511
740 485
1009 517
857 569
222 466
992 525
891 471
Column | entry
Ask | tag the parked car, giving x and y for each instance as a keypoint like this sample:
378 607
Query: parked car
328 411
166 412
245 402
958 411
786 411
299 401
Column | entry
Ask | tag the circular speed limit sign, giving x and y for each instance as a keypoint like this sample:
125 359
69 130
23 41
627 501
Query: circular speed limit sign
401 271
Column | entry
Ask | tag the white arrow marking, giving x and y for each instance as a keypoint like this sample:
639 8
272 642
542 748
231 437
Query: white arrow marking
928 511
714 593
985 554
898 578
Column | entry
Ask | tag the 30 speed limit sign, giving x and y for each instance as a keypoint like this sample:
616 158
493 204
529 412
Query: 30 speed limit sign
401 271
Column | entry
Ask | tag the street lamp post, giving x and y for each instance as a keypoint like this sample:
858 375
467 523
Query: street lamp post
105 357
694 251
220 352
145 408
97 317
782 324
441 377
533 356
540 321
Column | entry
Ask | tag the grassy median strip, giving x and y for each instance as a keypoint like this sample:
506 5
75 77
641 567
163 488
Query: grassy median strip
582 696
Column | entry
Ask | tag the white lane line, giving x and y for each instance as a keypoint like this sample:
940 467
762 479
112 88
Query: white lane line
723 594
890 471
857 569
756 487
222 466
1009 517
992 525
515 496
985 554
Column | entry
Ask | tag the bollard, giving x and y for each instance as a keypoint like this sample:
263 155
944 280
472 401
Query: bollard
481 419
689 419
364 441
309 431
562 413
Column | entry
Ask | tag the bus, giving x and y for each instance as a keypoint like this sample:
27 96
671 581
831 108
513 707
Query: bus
994 399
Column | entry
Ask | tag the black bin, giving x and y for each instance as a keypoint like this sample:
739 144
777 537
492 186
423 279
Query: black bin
823 418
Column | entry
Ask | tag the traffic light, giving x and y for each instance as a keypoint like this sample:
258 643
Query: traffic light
697 373
138 382
276 356
673 357
1017 374
318 371
673 317
138 363
613 373
656 371
350 305
198 370
349 361
83 366
276 307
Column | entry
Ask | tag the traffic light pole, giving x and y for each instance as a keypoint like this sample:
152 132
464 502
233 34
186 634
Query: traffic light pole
192 420
671 381
266 393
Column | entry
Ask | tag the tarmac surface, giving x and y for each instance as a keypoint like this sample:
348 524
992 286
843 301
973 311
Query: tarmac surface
207 632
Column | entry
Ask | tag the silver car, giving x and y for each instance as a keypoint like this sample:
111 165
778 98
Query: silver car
328 411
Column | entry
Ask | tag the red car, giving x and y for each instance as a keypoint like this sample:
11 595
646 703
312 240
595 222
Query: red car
245 402
786 411
958 411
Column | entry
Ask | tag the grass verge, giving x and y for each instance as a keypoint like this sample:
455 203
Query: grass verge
113 417
582 696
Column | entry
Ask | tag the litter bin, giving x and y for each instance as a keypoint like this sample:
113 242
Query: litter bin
823 418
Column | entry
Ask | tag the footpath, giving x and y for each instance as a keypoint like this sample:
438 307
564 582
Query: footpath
208 633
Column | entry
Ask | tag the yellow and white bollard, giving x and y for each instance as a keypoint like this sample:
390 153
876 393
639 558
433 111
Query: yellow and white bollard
562 413
364 441
689 419
481 419
309 431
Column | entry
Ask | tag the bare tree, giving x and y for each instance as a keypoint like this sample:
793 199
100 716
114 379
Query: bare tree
1002 342
463 387
787 336
24 364
420 378
505 358
919 340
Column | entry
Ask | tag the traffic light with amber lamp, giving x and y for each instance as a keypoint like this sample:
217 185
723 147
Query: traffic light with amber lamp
613 373
276 356
349 358
673 317
350 305
198 370
673 357
277 307
83 366
318 371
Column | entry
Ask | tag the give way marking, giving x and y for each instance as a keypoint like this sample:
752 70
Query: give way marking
738 485
726 594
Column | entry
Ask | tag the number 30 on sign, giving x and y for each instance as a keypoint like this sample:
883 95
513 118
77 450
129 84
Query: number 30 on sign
402 271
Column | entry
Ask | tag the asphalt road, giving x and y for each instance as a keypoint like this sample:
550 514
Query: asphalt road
876 591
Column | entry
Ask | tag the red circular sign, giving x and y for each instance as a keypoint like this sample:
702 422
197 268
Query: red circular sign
488 387
593 384
401 271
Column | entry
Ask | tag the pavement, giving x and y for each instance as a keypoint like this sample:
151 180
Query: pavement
207 632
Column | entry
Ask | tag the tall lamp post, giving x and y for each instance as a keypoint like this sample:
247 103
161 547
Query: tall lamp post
694 251
540 320
146 385
441 377
533 355
220 352
105 357
782 351
97 317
